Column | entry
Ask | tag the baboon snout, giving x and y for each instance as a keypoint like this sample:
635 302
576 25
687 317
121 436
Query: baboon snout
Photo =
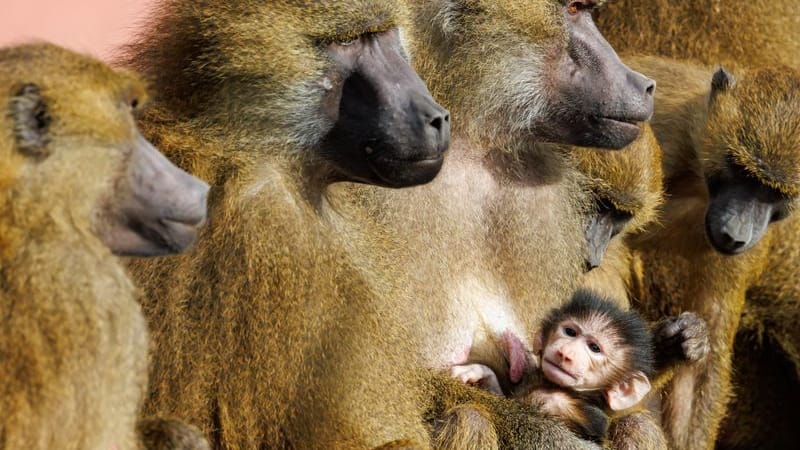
736 219
160 207
432 120
389 129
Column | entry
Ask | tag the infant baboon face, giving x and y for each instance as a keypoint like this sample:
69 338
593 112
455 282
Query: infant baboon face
84 160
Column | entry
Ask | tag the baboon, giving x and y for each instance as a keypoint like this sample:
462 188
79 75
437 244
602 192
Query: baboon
767 352
730 170
496 240
78 184
591 360
274 103
626 191
760 32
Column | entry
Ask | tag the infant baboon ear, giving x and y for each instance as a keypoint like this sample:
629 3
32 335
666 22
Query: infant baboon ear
627 393
31 120
722 81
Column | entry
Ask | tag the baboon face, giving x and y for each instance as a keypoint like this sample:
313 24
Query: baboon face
387 129
83 155
536 69
603 225
752 165
627 188
332 78
599 100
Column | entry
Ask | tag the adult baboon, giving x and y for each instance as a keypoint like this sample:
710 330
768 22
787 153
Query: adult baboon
272 102
496 240
78 184
756 32
730 170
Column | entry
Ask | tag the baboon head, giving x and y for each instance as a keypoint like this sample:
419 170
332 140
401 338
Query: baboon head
330 78
627 191
522 69
79 158
750 156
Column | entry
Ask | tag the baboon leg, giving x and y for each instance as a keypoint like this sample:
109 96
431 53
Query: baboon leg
637 431
464 427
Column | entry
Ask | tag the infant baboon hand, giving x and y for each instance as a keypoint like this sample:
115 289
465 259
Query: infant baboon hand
477 375
681 338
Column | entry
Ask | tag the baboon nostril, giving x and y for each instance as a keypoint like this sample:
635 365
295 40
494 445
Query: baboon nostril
732 242
437 122
651 88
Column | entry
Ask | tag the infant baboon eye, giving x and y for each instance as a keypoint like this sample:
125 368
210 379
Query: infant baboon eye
135 103
594 347
570 332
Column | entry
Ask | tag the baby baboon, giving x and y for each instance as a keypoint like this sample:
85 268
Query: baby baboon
274 102
78 184
730 170
590 360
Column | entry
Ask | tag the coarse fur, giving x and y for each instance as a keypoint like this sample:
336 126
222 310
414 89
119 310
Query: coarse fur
74 341
707 134
758 32
767 358
255 331
627 184
493 243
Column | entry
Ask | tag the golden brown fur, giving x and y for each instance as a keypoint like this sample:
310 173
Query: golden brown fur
254 330
274 333
629 181
494 242
767 358
73 343
679 270
758 32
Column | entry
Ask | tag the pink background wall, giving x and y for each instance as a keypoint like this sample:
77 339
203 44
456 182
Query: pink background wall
90 26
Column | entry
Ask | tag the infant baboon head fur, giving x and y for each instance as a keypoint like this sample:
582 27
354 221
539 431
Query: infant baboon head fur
70 134
545 73
750 156
330 79
627 190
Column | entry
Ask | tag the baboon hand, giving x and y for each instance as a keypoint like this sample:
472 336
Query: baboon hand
477 375
682 338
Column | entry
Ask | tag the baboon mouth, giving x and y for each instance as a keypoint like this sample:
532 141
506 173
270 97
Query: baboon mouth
557 371
619 121
400 172
169 236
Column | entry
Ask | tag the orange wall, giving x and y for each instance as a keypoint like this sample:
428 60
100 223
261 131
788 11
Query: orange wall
90 26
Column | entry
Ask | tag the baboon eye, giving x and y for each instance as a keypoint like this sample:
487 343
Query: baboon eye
348 42
570 332
134 103
576 7
595 348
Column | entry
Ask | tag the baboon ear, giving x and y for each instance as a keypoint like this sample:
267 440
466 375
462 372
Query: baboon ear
721 81
31 120
627 393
